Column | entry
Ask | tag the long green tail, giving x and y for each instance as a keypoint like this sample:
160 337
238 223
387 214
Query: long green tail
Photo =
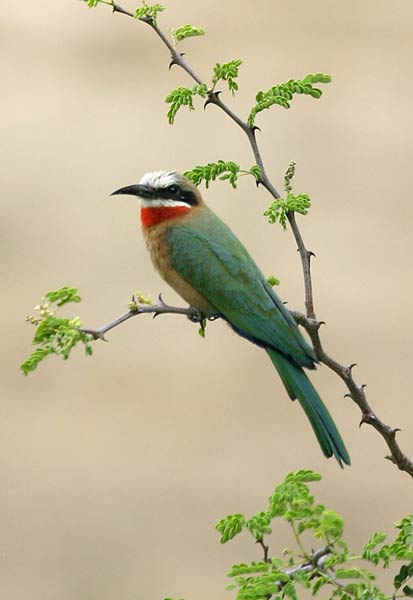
300 387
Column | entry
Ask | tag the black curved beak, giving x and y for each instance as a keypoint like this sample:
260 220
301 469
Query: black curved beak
143 191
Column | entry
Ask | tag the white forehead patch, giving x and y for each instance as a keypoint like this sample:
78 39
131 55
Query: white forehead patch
160 179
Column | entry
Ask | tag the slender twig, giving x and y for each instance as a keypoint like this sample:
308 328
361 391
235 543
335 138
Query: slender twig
190 312
305 256
298 540
308 321
265 549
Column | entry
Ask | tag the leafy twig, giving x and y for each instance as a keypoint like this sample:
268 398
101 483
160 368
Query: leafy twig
58 335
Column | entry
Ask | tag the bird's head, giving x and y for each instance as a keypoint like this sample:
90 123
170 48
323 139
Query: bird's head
163 195
163 189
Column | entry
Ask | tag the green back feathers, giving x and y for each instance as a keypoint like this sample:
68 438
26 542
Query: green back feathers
210 257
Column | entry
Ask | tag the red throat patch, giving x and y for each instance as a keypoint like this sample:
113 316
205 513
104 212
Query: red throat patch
158 214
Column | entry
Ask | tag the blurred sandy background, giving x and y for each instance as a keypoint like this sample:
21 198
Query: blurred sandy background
115 468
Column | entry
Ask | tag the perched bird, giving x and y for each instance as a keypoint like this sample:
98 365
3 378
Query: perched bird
206 264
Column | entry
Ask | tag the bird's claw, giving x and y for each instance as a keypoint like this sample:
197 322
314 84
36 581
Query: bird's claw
195 316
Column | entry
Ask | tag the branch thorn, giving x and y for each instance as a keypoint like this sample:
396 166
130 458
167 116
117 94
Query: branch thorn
160 299
173 60
369 419
212 98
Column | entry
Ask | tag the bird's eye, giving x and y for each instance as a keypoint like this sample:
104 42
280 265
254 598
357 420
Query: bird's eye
173 189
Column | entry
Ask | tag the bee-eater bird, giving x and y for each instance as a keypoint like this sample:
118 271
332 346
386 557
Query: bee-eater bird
206 264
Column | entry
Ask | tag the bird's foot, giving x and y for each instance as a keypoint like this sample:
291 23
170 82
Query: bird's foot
195 315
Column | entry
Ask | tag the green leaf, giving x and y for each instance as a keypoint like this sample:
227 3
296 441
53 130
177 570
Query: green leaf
256 172
261 587
289 591
35 358
176 98
210 172
202 328
292 499
246 569
354 573
230 526
259 525
278 211
282 93
55 335
185 31
63 296
273 280
149 12
224 171
183 97
331 524
227 72
376 539
303 476
405 572
319 583
200 90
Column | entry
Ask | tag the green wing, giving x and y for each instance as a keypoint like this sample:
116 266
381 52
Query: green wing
211 258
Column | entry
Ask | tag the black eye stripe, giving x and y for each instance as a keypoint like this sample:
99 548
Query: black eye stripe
178 194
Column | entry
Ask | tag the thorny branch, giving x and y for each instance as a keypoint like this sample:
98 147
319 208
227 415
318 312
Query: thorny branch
308 321
161 308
